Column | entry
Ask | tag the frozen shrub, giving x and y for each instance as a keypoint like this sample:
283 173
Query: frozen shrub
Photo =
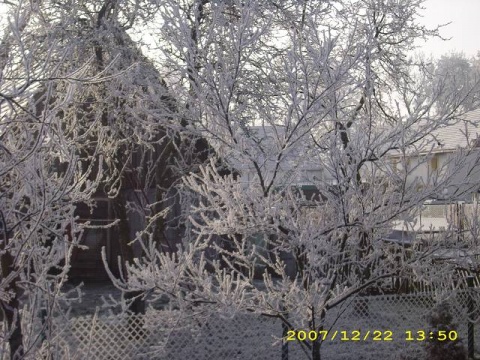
441 320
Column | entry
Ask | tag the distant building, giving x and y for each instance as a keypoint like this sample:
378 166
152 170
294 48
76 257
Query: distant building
452 154
452 151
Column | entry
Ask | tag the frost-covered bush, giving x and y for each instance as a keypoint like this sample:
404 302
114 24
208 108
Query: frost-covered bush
441 319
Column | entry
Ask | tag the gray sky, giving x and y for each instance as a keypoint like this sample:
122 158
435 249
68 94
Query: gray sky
464 29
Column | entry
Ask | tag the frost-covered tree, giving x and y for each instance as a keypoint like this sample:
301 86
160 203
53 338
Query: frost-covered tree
84 113
41 176
458 76
292 93
298 93
76 100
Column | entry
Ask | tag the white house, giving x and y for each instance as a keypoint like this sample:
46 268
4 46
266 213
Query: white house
452 158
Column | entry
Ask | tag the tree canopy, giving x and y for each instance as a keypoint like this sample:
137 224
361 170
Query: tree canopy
290 95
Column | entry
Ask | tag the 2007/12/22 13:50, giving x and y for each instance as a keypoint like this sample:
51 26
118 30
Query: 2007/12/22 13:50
439 335
376 335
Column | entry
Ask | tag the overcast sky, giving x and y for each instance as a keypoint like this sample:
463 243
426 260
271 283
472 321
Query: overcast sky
464 29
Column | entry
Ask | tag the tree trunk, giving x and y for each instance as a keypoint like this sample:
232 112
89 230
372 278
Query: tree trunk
11 309
318 342
316 350
12 315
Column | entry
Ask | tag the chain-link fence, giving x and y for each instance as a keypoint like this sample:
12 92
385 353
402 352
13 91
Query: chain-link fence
372 327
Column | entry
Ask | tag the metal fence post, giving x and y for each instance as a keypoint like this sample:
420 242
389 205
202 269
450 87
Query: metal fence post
471 325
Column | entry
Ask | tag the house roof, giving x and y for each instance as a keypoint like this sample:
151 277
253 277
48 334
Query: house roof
462 134
463 138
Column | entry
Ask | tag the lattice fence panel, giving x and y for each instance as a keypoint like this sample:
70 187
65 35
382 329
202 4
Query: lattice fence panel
172 335
166 335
